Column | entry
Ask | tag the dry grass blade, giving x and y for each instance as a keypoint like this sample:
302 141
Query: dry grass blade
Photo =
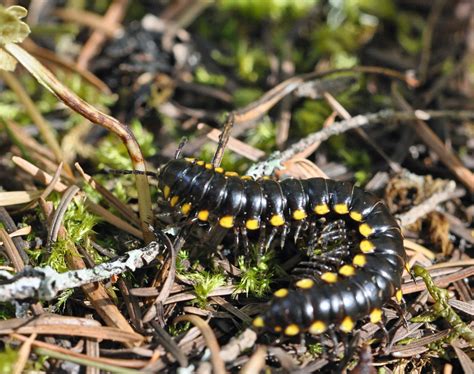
59 213
232 309
235 145
169 272
91 20
211 341
238 344
113 219
96 332
20 232
418 346
23 355
465 307
126 363
464 359
408 244
48 80
256 363
436 145
303 168
124 209
51 57
170 345
18 197
337 107
43 126
12 251
114 14
37 173
442 282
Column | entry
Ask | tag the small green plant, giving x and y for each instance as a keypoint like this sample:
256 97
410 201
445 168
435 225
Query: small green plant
257 274
315 349
204 283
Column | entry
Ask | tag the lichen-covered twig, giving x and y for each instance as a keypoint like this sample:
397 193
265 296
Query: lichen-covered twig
45 283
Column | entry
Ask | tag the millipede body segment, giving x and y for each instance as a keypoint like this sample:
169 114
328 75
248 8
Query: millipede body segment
338 298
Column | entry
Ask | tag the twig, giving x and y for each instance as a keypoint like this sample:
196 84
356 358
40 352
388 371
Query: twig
435 144
430 204
210 338
45 283
114 14
427 38
275 159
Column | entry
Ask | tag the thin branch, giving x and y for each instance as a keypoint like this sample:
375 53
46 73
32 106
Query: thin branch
45 283
383 116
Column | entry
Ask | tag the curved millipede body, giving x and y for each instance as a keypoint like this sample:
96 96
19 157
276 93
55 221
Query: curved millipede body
338 298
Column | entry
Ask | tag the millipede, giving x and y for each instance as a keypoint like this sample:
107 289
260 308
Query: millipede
290 209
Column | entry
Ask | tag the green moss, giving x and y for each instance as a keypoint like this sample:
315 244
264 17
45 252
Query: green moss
112 152
204 283
275 9
203 76
257 273
315 349
8 358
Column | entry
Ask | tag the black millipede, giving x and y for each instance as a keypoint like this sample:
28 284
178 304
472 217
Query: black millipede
287 210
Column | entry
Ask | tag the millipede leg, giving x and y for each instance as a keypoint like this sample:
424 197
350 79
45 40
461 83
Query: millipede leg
386 336
335 343
269 240
283 236
245 240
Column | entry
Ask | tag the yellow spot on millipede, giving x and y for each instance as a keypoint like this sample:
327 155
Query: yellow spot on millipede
277 220
166 191
341 208
399 296
366 246
366 230
305 283
227 222
321 209
185 208
174 200
329 277
231 174
208 166
219 170
203 215
282 292
292 330
277 328
200 163
299 214
258 322
347 324
376 315
317 327
356 216
246 177
359 260
347 270
252 224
